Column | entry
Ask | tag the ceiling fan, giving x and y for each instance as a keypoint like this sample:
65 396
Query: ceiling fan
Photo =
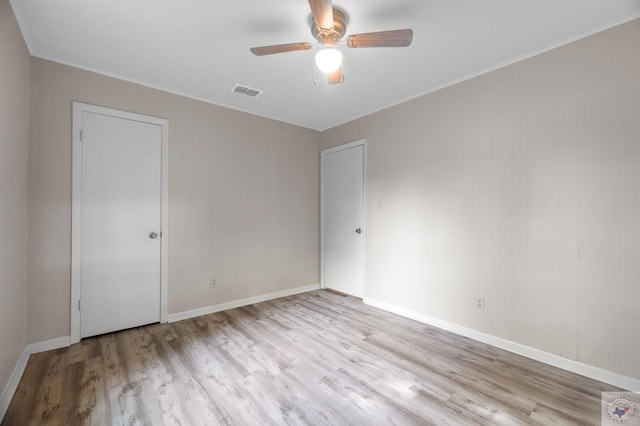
328 26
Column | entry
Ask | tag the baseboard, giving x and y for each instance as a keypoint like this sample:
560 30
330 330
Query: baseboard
577 367
12 385
239 303
16 375
48 345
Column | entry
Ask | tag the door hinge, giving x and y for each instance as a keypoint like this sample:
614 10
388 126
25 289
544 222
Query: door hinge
79 304
81 135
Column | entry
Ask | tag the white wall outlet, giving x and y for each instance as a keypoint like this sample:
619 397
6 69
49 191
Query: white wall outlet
479 303
213 283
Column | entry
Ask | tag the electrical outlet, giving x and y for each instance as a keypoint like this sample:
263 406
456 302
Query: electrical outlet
480 303
212 282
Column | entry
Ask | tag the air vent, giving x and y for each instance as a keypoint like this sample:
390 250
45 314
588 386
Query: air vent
244 90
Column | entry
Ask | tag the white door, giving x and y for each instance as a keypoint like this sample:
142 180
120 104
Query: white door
343 227
120 223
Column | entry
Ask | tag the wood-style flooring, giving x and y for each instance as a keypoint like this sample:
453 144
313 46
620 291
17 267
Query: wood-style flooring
316 358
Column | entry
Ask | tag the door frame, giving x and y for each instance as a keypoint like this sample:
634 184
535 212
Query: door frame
323 154
76 206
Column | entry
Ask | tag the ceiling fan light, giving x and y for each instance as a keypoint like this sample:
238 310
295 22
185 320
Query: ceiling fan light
328 59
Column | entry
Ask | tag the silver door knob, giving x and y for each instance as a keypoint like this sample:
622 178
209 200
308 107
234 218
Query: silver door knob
359 231
153 235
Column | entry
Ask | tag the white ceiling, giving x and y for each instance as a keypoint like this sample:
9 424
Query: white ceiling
200 48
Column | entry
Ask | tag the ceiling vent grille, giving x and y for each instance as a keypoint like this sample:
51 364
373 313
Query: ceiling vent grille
247 91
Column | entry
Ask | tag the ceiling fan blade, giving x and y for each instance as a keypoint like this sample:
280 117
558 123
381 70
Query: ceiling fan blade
279 48
393 38
322 11
336 77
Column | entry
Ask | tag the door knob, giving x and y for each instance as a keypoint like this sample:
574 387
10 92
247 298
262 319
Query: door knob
153 235
359 231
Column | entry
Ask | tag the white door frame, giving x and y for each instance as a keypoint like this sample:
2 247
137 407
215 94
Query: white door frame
76 207
323 153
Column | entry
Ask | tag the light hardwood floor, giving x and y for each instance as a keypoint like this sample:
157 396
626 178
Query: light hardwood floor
316 358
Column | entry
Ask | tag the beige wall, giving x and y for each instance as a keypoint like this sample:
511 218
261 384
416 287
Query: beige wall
522 186
243 196
14 125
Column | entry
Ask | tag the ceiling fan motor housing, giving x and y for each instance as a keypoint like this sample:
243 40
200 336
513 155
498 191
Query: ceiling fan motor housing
331 37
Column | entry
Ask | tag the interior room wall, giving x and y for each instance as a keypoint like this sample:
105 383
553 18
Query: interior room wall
14 138
521 186
243 196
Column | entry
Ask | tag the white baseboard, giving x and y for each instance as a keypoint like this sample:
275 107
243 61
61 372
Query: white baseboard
12 385
577 367
32 348
239 303
48 345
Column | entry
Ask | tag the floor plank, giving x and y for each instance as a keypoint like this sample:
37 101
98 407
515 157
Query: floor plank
317 358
